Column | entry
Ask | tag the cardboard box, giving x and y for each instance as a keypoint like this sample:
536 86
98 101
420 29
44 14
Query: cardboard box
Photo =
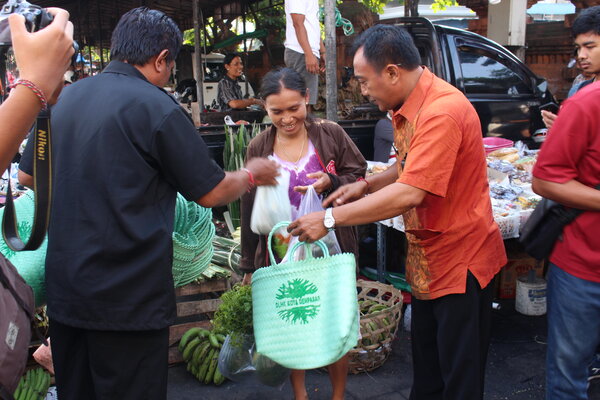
518 265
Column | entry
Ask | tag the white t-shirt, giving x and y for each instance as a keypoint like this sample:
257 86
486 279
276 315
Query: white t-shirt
310 10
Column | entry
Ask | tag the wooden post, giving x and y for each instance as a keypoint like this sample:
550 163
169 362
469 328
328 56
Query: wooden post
245 58
331 61
101 49
199 73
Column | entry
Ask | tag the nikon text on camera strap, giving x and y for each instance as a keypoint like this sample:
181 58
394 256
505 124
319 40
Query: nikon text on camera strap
42 183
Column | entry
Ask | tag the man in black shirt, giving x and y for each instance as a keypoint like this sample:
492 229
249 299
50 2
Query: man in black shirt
122 149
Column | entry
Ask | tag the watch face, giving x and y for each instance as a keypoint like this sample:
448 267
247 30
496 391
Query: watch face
329 221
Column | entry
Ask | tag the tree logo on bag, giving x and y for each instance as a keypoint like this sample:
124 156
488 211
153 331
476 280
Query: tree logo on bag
297 301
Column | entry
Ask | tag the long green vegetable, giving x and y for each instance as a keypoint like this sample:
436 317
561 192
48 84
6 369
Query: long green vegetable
234 154
226 253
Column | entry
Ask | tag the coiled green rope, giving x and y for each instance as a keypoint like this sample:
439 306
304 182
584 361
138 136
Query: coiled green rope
192 241
346 25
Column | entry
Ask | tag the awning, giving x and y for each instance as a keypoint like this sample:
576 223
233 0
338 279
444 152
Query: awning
551 9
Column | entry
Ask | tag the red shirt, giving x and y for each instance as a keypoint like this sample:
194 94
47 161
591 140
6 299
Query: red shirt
453 230
572 151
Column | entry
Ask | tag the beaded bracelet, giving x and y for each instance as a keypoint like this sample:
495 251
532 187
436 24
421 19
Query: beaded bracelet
251 182
34 89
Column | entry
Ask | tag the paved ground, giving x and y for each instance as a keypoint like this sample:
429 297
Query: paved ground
515 370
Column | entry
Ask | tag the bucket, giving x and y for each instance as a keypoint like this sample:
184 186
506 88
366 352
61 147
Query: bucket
531 296
494 143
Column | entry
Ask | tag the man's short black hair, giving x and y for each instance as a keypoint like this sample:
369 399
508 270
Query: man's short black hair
587 21
388 44
143 33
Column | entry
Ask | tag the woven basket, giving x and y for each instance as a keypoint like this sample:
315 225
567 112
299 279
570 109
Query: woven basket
377 329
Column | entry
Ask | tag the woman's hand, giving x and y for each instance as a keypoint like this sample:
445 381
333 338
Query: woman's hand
247 279
322 184
43 57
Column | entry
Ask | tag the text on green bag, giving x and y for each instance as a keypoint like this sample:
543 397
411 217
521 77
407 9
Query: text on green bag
298 301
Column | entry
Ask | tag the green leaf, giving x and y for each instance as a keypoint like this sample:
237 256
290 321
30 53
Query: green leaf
440 5
234 314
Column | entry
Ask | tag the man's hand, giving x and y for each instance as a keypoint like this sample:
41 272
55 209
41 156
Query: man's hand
263 171
346 194
321 185
312 63
309 227
548 117
43 57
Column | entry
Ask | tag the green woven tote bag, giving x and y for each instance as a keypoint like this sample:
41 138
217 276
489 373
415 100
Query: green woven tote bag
305 312
30 264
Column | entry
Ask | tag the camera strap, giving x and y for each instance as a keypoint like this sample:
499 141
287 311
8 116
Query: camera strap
42 182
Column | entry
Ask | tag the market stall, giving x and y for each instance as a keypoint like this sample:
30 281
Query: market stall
509 175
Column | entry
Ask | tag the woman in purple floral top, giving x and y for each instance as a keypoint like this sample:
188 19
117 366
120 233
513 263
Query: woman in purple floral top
315 152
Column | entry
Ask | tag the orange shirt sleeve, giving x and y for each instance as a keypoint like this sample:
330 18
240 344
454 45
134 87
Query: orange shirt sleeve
432 154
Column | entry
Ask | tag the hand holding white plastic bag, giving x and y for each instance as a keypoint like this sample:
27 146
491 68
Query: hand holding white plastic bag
271 205
312 202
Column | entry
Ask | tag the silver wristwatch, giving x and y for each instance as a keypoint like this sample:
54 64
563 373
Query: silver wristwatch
328 220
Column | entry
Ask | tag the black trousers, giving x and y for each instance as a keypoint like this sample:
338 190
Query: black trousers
109 365
450 340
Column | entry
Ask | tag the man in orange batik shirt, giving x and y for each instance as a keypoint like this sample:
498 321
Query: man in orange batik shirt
455 248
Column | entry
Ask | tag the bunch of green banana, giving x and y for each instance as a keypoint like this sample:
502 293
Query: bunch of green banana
368 307
200 349
33 385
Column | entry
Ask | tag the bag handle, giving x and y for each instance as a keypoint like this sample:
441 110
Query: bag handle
307 246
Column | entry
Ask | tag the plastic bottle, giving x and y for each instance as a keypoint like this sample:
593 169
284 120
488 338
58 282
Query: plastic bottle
407 318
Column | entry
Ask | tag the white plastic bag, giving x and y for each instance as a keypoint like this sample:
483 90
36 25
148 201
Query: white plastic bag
271 205
311 202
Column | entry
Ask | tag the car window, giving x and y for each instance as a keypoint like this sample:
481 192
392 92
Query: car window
486 72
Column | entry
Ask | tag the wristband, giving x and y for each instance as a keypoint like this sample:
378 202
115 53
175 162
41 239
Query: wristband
361 179
34 89
251 182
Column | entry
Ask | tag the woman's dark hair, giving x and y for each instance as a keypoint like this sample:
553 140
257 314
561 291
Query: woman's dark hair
142 34
587 21
282 78
229 58
388 44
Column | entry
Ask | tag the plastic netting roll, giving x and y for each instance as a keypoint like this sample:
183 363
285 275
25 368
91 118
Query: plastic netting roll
192 241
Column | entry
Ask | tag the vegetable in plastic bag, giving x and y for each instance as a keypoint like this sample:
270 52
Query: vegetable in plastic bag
311 202
271 205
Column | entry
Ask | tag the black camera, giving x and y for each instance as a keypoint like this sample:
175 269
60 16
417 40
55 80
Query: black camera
36 18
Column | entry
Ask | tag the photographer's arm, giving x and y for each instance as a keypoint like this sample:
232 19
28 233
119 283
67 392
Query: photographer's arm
17 114
42 58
